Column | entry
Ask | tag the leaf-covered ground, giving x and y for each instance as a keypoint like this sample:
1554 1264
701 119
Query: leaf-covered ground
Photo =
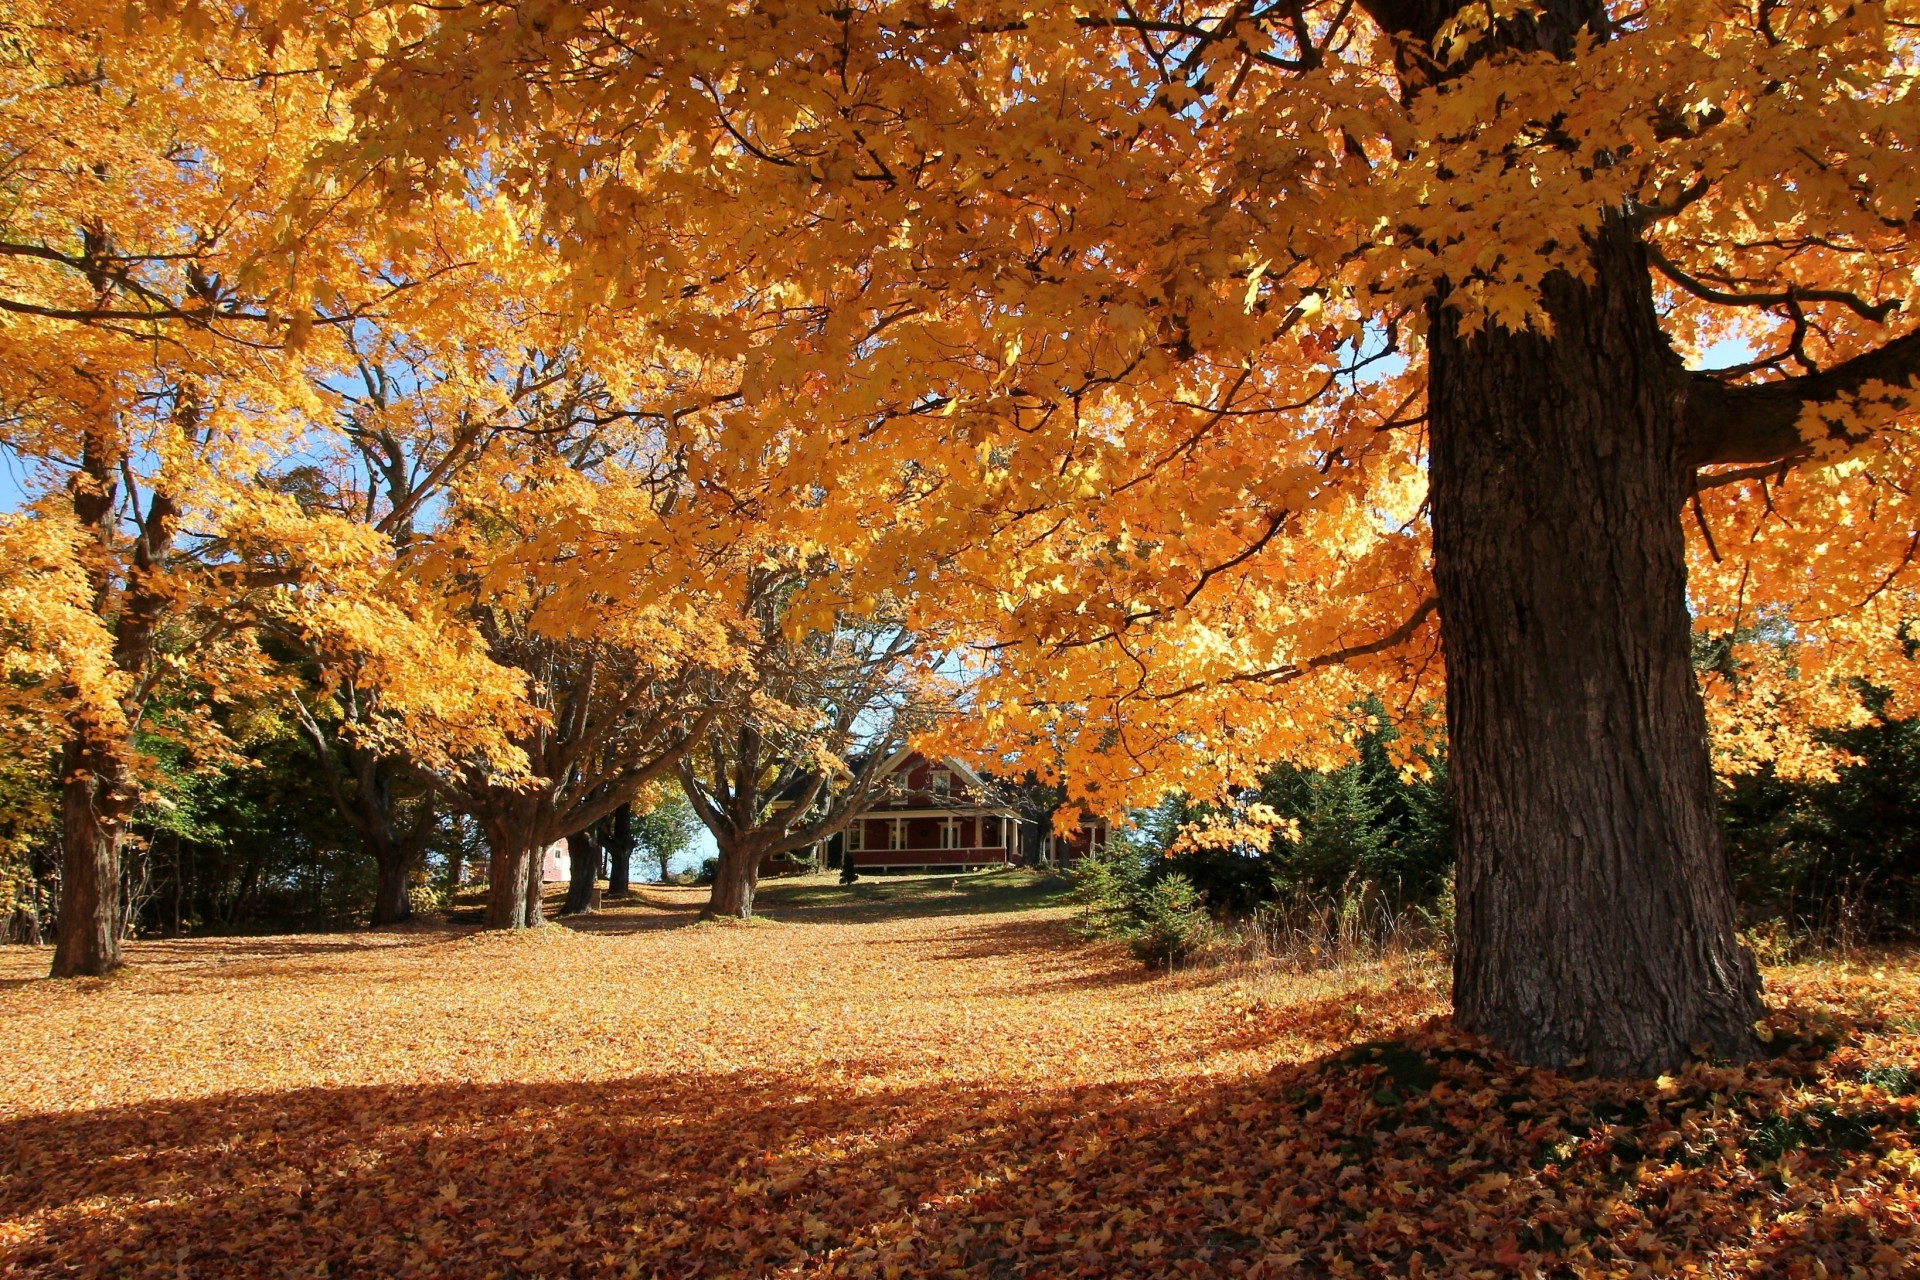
856 1090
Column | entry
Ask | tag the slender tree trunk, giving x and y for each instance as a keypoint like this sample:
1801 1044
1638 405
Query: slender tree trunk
391 905
177 887
536 886
583 861
95 802
735 878
1596 913
620 853
136 887
23 926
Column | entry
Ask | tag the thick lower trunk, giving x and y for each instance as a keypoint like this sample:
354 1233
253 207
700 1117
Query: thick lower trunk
735 877
391 905
507 857
583 860
94 809
620 853
1596 913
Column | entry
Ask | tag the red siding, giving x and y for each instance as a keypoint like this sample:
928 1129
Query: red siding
929 857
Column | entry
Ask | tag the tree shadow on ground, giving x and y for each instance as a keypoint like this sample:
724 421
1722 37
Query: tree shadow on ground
250 955
1061 961
875 898
1420 1155
645 910
268 949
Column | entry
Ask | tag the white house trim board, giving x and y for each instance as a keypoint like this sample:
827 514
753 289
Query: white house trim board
874 815
895 760
964 770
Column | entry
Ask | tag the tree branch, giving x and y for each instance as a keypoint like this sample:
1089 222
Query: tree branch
1760 422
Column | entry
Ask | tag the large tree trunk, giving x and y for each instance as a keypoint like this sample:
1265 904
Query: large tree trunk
1596 913
97 794
583 864
508 853
620 853
735 878
95 802
394 867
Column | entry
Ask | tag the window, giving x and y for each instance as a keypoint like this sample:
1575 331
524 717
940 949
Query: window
950 833
853 836
942 782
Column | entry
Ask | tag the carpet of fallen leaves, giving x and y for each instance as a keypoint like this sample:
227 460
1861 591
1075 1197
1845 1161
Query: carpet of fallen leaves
864 1094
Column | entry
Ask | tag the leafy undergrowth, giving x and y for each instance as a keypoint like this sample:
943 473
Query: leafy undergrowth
955 1095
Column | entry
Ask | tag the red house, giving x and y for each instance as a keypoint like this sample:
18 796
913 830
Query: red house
940 815
1090 837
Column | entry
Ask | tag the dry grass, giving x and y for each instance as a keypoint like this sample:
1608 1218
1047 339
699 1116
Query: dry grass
876 1094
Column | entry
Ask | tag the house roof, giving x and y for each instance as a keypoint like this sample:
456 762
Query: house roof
794 789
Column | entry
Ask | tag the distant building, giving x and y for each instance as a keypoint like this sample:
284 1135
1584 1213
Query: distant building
940 815
556 862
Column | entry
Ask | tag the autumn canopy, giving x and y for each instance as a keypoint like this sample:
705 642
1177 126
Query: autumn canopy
1176 374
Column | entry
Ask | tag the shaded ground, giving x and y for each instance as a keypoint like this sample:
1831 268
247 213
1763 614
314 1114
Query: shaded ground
853 1090
872 897
820 898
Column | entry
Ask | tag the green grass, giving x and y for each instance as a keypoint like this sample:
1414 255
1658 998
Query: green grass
873 896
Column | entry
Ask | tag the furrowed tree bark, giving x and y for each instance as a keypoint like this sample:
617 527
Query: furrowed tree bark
508 854
1596 912
398 852
583 867
392 869
98 795
368 806
1595 908
620 853
535 915
735 878
95 803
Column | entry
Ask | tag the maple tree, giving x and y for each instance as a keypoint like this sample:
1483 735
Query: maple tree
164 364
414 415
564 556
617 717
620 842
380 799
117 366
806 752
1234 360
